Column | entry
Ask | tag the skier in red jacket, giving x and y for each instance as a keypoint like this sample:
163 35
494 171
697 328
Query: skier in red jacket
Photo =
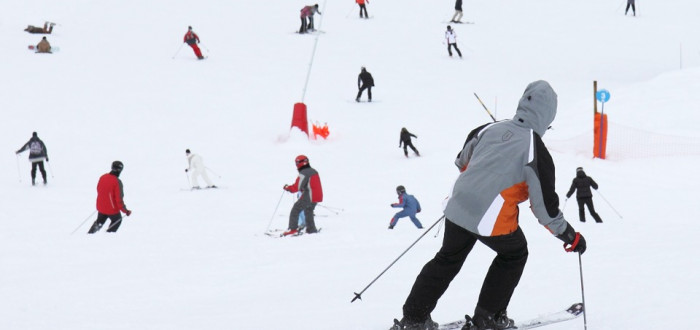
110 200
192 39
309 184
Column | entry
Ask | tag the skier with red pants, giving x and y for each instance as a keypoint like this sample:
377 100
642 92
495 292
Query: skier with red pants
110 200
309 184
192 39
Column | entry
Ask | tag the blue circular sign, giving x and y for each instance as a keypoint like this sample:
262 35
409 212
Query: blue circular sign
603 95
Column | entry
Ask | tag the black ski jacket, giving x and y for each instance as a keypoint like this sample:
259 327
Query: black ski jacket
405 137
582 184
365 78
37 149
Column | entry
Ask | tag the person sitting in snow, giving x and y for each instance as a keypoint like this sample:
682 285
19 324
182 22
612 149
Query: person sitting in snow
43 46
48 27
410 206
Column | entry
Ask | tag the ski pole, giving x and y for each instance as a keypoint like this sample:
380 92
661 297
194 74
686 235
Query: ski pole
19 173
601 196
485 108
349 12
583 296
564 207
332 209
115 224
50 169
82 223
178 50
438 232
213 172
188 178
275 212
359 295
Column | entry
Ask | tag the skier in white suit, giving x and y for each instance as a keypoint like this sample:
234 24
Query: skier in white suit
197 168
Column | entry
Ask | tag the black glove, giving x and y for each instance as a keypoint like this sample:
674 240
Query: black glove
186 170
47 159
573 241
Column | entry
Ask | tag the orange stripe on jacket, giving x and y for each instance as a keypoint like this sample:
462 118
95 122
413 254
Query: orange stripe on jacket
507 220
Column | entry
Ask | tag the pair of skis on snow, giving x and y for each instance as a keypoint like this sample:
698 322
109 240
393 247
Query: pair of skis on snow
569 314
278 233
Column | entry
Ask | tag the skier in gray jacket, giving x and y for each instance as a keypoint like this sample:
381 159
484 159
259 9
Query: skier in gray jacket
502 164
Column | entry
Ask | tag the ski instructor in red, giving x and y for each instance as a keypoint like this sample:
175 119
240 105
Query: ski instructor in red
309 184
110 200
501 165
192 39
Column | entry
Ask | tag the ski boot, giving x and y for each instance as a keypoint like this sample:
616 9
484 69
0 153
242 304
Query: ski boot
502 321
404 324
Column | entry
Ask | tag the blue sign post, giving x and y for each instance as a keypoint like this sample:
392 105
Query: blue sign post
603 96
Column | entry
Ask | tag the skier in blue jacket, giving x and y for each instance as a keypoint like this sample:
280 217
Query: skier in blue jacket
410 206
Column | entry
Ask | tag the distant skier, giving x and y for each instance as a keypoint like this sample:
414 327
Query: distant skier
37 155
501 165
582 185
364 81
304 14
309 184
43 46
192 39
458 12
312 10
110 200
451 37
410 206
197 168
47 29
363 8
405 139
630 3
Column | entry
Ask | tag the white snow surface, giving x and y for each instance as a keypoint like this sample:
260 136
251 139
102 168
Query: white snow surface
199 260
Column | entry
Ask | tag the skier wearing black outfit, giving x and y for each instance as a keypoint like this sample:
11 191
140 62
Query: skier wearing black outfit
501 165
37 155
405 139
582 184
367 83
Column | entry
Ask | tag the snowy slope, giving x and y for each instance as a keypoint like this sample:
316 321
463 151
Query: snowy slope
199 260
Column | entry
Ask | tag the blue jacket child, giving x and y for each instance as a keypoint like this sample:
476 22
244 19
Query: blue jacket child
410 206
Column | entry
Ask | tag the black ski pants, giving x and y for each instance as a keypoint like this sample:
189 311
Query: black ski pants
363 8
449 49
304 27
500 282
362 89
40 165
408 144
630 3
307 207
588 201
115 220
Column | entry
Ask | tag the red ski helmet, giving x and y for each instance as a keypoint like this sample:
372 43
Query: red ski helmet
301 160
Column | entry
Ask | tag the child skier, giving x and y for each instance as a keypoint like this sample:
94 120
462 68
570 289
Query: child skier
410 206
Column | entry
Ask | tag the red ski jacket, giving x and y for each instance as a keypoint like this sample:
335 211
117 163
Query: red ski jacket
309 183
191 38
110 195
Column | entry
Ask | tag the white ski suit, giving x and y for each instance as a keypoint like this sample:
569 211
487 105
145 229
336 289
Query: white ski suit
197 168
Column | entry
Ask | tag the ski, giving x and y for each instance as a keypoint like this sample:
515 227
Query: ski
279 233
459 22
569 314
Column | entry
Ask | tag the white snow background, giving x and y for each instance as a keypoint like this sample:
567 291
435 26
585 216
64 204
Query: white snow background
199 260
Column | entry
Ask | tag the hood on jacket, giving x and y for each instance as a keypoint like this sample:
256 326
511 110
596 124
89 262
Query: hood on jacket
537 107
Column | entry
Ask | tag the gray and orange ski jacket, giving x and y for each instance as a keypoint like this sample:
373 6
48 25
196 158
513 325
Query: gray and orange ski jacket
505 163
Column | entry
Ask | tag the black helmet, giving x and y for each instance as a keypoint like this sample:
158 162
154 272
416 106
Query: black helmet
117 166
400 190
